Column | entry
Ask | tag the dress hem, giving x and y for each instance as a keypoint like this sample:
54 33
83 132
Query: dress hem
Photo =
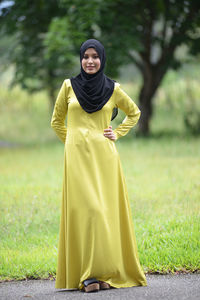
143 283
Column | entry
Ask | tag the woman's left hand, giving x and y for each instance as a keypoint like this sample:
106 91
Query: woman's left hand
109 133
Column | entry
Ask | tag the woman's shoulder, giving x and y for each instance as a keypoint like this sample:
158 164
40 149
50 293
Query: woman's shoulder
119 92
117 87
67 82
117 84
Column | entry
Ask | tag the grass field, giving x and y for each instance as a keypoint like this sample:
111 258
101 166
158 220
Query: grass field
164 190
162 175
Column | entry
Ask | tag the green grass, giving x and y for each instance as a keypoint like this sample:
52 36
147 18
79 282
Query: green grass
164 190
162 175
30 195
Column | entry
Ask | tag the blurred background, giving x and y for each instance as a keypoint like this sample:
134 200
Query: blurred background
153 51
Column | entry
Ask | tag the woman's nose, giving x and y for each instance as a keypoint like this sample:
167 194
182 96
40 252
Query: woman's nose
90 59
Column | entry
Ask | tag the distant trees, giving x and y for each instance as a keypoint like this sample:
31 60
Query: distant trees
146 33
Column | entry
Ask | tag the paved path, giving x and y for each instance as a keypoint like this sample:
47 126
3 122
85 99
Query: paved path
165 287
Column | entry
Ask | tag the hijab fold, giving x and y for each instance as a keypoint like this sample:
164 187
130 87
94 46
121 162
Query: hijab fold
93 90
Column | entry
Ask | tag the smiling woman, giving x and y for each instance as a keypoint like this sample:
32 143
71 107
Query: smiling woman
91 62
97 245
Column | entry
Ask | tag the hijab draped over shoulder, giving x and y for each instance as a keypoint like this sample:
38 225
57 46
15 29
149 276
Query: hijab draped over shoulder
93 90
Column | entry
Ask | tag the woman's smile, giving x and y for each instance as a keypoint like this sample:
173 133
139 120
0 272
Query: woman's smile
89 68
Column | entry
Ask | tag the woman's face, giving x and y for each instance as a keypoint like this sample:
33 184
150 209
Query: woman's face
91 62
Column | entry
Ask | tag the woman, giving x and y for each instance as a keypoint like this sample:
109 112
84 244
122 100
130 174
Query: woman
97 246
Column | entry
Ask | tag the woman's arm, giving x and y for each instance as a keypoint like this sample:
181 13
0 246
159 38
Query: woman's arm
125 103
60 112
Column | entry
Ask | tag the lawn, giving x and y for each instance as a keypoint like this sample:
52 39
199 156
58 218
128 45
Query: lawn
164 190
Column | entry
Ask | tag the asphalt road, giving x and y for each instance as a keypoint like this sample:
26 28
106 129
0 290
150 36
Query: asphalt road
172 287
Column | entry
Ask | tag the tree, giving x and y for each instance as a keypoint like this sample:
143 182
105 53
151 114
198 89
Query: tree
29 22
146 33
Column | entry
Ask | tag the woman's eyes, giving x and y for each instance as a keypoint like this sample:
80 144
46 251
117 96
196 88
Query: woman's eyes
94 57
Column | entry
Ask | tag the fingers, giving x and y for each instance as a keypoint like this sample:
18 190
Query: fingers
108 132
109 129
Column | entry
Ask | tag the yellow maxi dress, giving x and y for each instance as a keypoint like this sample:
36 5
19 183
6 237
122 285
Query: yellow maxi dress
96 236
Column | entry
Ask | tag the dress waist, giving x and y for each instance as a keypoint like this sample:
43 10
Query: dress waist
84 134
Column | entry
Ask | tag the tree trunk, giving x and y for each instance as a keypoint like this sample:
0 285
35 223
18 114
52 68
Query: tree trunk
152 78
145 105
145 102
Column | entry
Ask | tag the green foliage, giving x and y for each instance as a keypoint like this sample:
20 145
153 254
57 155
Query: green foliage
36 66
59 50
6 47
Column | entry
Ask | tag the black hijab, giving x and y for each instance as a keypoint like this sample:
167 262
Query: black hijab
93 90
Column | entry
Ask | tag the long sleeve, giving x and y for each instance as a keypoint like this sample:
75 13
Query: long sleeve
60 112
125 103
